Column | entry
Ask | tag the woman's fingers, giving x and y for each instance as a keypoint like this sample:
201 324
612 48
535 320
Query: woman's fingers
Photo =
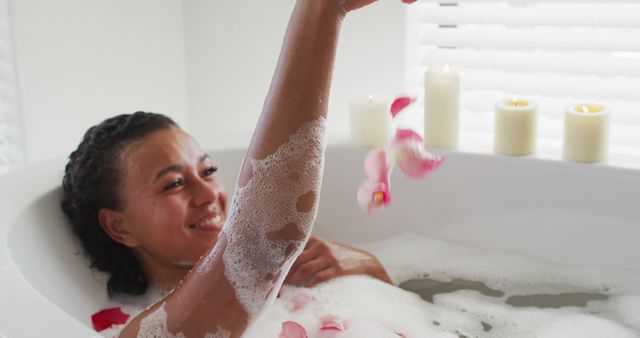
323 276
311 251
319 262
308 270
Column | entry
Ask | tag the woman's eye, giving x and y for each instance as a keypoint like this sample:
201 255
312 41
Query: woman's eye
209 171
174 184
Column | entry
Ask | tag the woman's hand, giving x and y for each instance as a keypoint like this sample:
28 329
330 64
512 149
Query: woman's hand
352 5
322 260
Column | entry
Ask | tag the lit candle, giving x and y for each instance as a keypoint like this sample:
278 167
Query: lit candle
586 133
441 110
370 121
515 127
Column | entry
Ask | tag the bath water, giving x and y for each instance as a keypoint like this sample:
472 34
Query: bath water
450 290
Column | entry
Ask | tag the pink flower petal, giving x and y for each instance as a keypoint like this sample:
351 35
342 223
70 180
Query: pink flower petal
375 190
373 195
408 151
376 166
412 156
405 135
106 318
332 323
399 104
291 329
299 301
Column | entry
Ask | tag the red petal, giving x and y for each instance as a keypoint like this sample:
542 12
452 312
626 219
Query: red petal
399 104
108 317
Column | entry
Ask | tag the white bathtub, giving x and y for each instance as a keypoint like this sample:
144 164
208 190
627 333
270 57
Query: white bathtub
565 212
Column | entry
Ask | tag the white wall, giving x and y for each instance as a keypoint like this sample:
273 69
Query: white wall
206 63
81 61
232 49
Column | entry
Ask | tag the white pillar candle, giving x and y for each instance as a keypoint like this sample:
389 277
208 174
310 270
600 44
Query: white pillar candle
370 121
441 110
515 127
586 133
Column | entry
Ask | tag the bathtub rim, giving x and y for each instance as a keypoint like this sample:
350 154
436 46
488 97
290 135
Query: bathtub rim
27 305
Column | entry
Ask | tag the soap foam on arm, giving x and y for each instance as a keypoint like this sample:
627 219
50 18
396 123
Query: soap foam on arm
272 215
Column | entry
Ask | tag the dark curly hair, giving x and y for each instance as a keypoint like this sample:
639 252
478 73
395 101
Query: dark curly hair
92 181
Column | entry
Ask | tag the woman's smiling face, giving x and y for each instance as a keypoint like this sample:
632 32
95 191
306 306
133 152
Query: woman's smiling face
173 207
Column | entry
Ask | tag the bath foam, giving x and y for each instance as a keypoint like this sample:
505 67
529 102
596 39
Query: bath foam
365 307
410 256
374 309
267 228
155 325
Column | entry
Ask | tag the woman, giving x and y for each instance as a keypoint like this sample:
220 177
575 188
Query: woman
107 172
164 203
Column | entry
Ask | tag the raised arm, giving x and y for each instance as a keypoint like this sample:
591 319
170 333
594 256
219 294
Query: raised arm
278 188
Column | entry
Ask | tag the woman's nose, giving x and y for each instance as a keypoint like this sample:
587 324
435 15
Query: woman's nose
204 192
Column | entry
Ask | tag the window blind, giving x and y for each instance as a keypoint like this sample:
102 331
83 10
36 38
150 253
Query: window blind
11 142
556 53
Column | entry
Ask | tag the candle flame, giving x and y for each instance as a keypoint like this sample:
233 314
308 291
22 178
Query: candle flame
446 68
515 102
370 98
585 109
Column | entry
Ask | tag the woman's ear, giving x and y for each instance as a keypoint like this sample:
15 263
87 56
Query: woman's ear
113 223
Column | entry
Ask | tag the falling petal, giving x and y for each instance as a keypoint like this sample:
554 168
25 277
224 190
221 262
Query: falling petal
375 190
411 155
376 166
399 104
291 329
406 134
373 195
408 151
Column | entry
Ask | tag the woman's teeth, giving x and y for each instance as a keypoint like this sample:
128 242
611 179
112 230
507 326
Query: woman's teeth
211 221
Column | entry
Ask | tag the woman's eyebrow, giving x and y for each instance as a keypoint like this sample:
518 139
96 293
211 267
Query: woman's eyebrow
176 167
166 170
